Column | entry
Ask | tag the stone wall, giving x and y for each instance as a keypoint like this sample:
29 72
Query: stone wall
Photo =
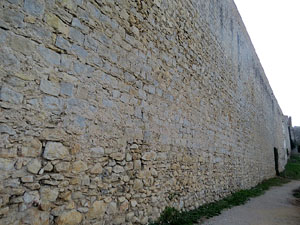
113 110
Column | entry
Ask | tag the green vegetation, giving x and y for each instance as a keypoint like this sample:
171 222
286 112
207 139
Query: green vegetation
171 216
292 169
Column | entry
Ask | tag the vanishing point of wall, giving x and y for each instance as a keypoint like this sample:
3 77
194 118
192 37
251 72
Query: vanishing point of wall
112 110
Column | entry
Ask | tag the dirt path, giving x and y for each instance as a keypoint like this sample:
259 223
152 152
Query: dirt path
276 207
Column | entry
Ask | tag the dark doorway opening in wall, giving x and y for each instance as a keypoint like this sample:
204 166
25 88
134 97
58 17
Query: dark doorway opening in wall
276 161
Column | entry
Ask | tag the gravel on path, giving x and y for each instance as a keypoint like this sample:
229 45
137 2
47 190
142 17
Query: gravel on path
276 207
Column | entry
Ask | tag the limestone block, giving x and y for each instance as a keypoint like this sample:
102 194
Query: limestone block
70 218
112 208
57 24
119 156
31 147
63 166
27 179
34 7
48 167
49 87
97 210
34 166
5 129
96 169
55 150
49 194
30 197
79 166
34 216
138 185
118 169
9 95
97 152
149 156
66 89
49 55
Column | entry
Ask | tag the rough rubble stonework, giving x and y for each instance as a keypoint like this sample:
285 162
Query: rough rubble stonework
112 110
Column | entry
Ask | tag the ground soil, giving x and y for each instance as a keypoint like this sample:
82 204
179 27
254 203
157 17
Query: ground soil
276 207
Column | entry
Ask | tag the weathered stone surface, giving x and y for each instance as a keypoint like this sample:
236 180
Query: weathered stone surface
149 156
34 166
62 166
49 87
97 210
108 108
138 185
97 152
96 169
118 169
70 218
66 89
9 95
112 208
49 194
57 24
32 196
6 129
35 217
55 134
34 7
79 166
27 179
119 156
49 56
48 167
32 147
55 150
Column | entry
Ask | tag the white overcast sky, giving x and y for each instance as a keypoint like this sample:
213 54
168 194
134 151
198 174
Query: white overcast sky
274 28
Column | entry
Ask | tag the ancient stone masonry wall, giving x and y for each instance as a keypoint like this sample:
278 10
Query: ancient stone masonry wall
112 110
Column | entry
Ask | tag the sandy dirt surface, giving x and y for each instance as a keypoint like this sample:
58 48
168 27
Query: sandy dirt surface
276 207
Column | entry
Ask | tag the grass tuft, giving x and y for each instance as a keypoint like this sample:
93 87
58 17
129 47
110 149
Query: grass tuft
292 169
171 216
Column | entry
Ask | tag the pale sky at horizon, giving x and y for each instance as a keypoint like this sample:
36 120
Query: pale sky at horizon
274 28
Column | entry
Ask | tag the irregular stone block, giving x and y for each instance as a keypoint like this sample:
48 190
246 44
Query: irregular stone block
9 95
97 152
49 87
34 166
119 156
49 56
49 194
149 156
6 164
79 51
70 218
55 150
34 7
55 134
57 24
5 129
97 210
31 147
66 89
62 166
62 43
31 196
96 169
27 179
79 166
52 103
76 35
118 169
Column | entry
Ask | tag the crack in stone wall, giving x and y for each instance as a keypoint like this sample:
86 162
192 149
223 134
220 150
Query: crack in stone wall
112 110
